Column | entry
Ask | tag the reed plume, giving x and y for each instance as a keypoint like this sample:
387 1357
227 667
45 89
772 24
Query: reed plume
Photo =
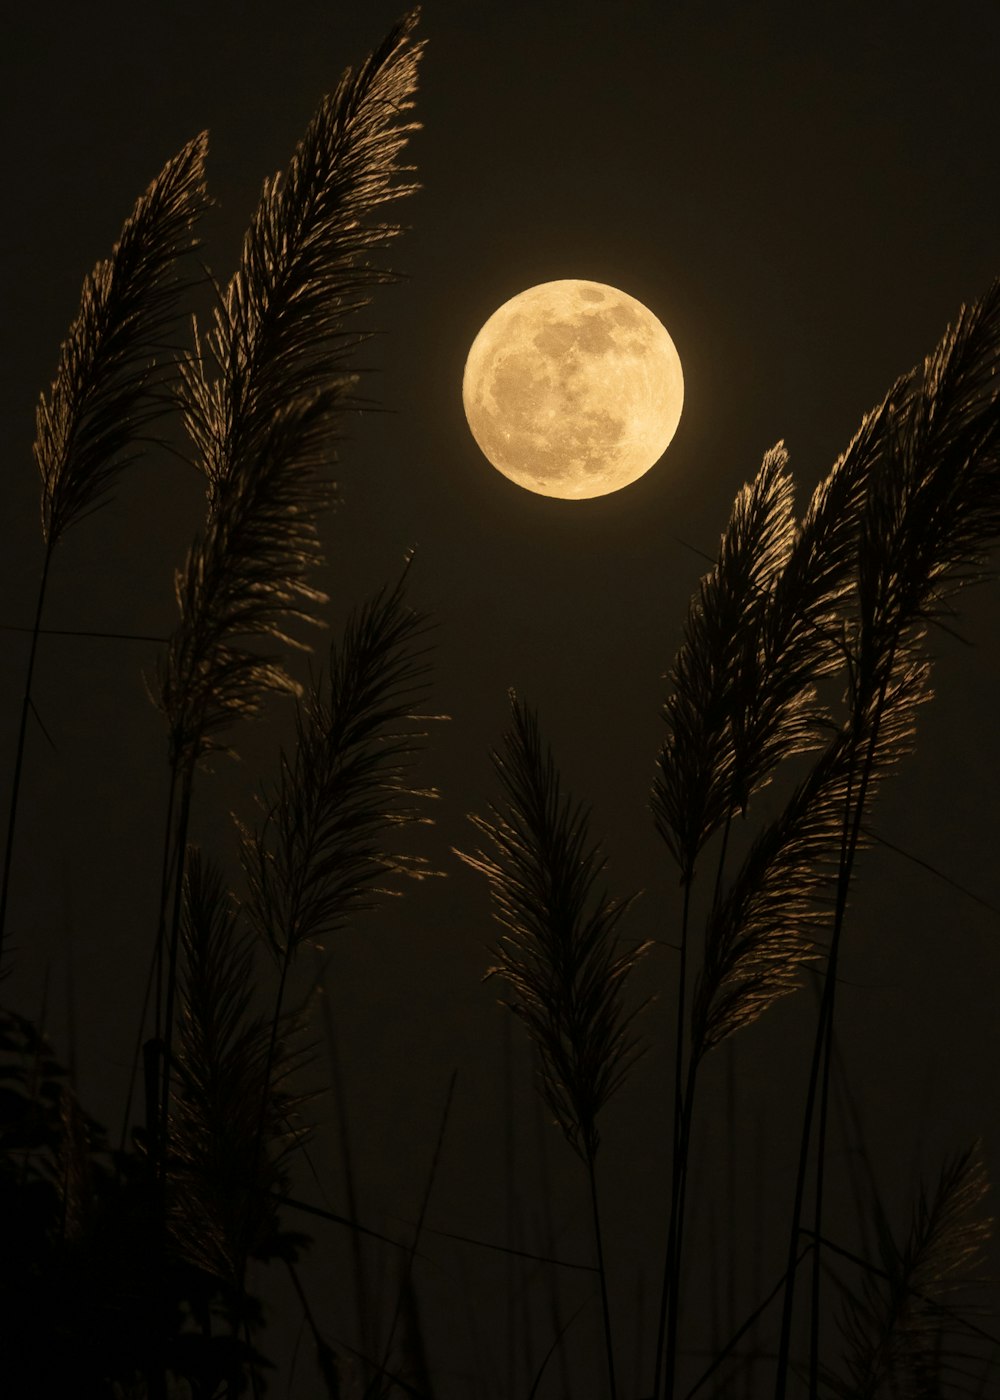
901 1331
934 511
320 851
771 918
111 380
766 624
931 513
266 386
769 622
716 670
560 955
323 848
246 577
263 392
722 742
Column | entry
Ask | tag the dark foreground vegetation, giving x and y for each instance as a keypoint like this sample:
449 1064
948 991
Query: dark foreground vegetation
125 1261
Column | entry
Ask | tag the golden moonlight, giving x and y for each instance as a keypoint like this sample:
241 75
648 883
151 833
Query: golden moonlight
573 389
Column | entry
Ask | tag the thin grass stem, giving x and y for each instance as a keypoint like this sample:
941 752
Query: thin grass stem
361 1290
675 1159
180 851
265 1092
557 1342
155 971
814 1322
853 815
677 1237
598 1240
84 632
158 1376
852 830
738 1336
19 755
407 1277
683 1112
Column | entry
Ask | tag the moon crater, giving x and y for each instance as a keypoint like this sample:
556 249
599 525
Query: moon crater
573 389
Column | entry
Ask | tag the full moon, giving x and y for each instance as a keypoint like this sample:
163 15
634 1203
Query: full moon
573 389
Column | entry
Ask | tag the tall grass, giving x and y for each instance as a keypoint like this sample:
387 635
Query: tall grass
111 385
804 665
560 953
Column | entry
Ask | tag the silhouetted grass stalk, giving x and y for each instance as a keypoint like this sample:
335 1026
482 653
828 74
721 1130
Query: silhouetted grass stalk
748 1323
361 1285
820 1053
675 1243
609 1345
151 1050
824 1030
405 1284
905 515
559 952
26 704
930 515
676 1156
683 1119
108 385
262 393
173 962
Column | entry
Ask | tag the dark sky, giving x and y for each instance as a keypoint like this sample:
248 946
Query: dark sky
804 195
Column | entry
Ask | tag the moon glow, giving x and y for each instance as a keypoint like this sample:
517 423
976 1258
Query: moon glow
573 389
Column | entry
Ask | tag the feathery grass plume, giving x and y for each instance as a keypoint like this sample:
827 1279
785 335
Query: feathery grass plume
801 620
316 856
283 324
934 510
765 627
246 578
697 783
765 926
560 953
696 780
931 512
265 386
221 1207
819 573
320 851
108 385
901 1329
705 770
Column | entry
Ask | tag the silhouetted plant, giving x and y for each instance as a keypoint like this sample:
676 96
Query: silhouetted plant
77 1290
263 396
231 1074
266 388
930 514
560 954
112 382
316 857
901 1329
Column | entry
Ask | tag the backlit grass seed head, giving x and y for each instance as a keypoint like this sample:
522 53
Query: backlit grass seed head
560 955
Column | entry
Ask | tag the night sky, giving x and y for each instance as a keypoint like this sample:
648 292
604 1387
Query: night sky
804 195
